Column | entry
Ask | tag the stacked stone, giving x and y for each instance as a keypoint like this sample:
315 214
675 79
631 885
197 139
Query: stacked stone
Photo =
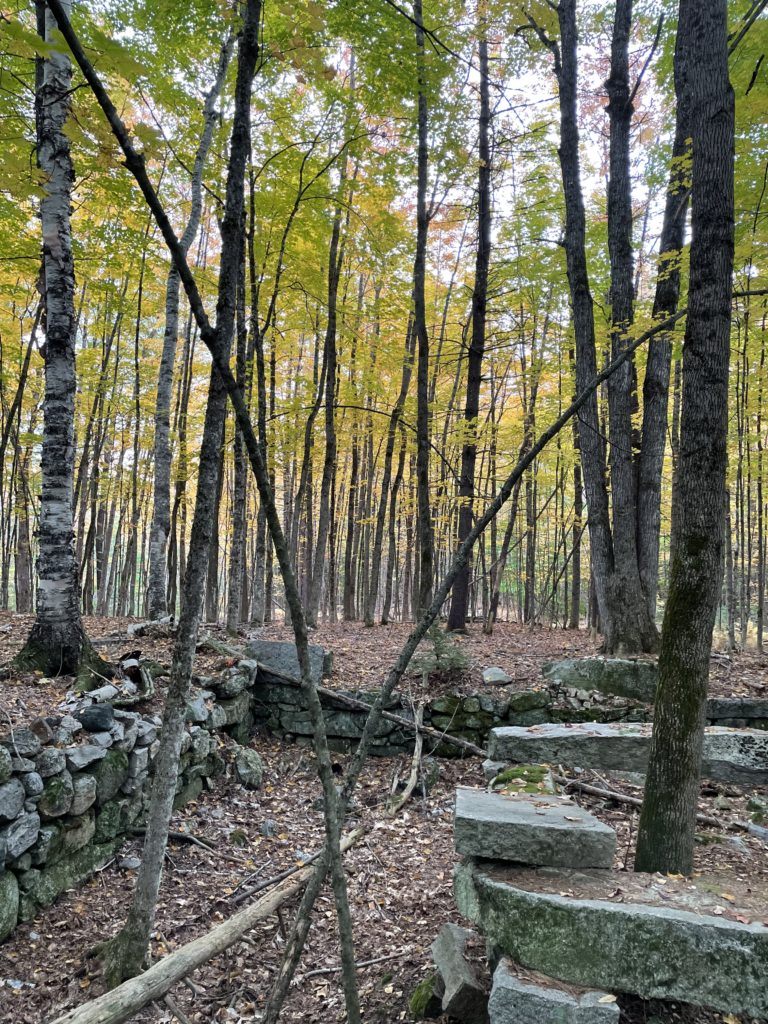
73 785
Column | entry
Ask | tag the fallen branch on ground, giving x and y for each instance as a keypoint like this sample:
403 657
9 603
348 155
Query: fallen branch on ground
397 802
127 999
360 963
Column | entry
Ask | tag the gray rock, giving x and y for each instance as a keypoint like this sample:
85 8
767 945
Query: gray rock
517 1001
129 863
138 762
11 799
22 765
33 784
268 828
654 952
5 765
20 835
101 739
249 768
9 903
57 796
542 830
236 709
110 774
83 756
84 793
50 761
103 694
196 709
235 680
70 723
492 768
21 743
97 718
280 656
736 755
147 733
496 675
737 707
620 676
464 997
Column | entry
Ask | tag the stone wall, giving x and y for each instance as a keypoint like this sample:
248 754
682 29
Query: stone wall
74 784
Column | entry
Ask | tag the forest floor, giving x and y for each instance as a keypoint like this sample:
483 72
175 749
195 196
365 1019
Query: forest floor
399 875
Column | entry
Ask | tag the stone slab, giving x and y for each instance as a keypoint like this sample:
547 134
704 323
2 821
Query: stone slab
517 1000
654 952
542 830
622 677
730 755
464 998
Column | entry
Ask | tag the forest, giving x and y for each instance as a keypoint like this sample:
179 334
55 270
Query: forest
411 341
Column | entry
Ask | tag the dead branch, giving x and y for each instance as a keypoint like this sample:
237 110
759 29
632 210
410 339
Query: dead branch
396 803
127 999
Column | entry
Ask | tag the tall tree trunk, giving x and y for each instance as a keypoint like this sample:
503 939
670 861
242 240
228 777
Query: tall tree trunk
668 817
239 495
460 593
57 644
161 517
123 955
424 518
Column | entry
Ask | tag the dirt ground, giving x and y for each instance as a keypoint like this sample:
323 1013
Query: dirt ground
399 875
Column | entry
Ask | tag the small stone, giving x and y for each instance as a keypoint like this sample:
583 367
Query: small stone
70 723
102 739
196 709
138 762
268 828
84 793
97 718
496 675
129 863
20 835
57 796
50 761
21 765
5 765
84 755
42 729
147 733
21 743
33 784
11 799
249 768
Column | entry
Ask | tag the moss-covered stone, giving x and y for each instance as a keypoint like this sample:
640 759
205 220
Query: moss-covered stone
9 903
425 1003
190 790
111 819
527 700
525 778
111 772
57 796
43 886
74 834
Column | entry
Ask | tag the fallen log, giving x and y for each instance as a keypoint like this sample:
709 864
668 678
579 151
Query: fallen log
127 999
343 700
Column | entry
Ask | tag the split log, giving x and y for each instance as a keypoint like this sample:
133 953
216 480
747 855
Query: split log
127 999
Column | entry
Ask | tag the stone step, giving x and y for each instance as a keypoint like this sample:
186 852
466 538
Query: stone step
654 951
730 755
541 830
535 999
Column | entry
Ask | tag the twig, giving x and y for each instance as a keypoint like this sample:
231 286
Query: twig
396 804
360 963
176 1011
252 890
188 837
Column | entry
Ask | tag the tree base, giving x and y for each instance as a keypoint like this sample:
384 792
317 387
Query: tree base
54 653
120 958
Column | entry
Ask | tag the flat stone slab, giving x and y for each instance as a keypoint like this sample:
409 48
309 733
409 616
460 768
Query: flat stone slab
730 755
622 677
652 951
542 830
540 1000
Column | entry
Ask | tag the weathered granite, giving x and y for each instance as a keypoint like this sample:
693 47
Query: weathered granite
518 1001
12 798
464 998
655 952
281 656
21 742
496 676
249 768
543 830
20 835
730 755
84 755
9 903
622 677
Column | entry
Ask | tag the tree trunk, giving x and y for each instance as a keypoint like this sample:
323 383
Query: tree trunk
668 818
460 593
57 644
157 605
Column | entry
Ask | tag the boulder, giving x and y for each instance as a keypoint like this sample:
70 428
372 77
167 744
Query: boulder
516 1000
622 677
543 830
96 718
280 656
496 676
